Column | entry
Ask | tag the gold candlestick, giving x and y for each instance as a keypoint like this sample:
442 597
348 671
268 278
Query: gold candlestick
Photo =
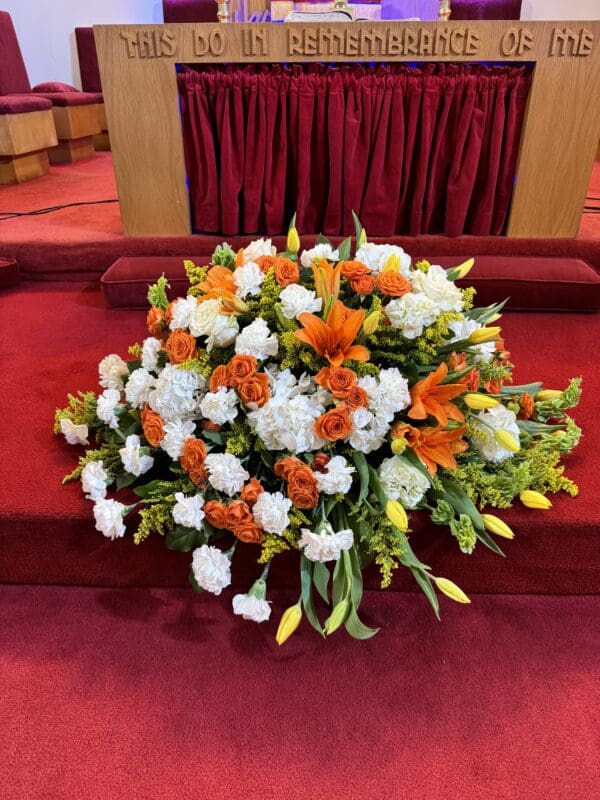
223 14
445 11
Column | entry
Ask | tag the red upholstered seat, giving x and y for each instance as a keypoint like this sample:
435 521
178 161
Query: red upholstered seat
9 273
22 103
88 60
63 99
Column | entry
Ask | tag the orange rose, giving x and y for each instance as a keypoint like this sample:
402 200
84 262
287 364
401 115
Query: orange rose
357 397
393 283
241 367
266 262
286 272
219 377
199 477
215 514
526 403
194 454
169 312
492 387
364 284
457 362
320 461
207 425
153 426
248 532
251 491
154 321
180 346
471 380
335 424
254 391
338 380
237 513
354 269
302 488
284 466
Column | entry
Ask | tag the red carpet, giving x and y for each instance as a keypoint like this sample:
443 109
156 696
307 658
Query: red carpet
82 242
144 694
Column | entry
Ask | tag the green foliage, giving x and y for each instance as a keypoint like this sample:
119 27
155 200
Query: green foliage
157 293
386 545
464 532
422 265
468 296
443 513
195 274
555 409
81 410
108 454
223 256
154 518
240 438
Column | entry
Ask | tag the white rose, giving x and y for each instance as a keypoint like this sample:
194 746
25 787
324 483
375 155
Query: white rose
376 255
94 480
221 406
203 317
337 477
109 518
132 459
296 299
401 481
111 371
223 333
270 512
248 279
106 407
175 393
462 329
150 350
256 340
256 249
181 312
211 568
325 251
139 386
326 545
250 607
226 473
435 285
188 511
74 434
411 313
483 438
177 431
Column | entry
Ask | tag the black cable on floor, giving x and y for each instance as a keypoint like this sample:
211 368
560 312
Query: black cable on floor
13 214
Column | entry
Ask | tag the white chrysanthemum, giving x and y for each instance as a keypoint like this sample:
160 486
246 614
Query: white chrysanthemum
256 340
132 459
106 407
203 317
111 371
256 249
376 255
271 512
221 406
138 388
462 329
177 431
296 299
150 350
223 333
181 312
288 423
109 518
226 473
248 279
437 287
326 545
189 511
250 607
325 251
401 481
94 480
74 434
175 393
211 568
483 438
411 313
336 478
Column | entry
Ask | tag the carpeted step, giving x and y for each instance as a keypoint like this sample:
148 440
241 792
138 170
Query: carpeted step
164 694
54 336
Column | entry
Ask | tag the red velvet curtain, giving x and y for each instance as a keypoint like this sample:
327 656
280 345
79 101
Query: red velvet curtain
427 149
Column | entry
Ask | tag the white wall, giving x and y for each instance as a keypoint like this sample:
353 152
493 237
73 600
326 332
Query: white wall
559 9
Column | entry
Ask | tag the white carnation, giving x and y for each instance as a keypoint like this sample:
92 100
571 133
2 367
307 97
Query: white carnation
203 317
223 333
150 350
376 255
250 607
326 545
393 394
401 481
462 329
138 388
248 279
411 313
177 431
175 393
211 568
271 512
109 518
132 459
296 299
226 473
256 249
336 478
189 511
111 371
94 480
437 287
288 423
256 340
325 251
483 439
74 434
221 406
106 407
181 312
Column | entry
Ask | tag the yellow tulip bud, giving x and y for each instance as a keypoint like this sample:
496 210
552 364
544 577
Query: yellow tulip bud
533 499
392 264
495 318
397 515
548 394
371 323
399 445
362 239
451 590
507 441
482 335
479 402
234 305
463 270
337 617
290 619
497 526
293 241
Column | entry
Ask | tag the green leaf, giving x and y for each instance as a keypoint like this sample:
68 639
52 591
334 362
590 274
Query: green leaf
487 540
353 567
133 365
357 226
183 539
376 487
306 578
363 473
339 582
193 582
356 628
149 489
321 579
424 582
537 428
214 436
484 315
125 479
530 388
413 459
292 222
323 239
344 249
460 501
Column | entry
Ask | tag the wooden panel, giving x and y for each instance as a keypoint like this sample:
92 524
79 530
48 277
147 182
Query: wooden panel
74 122
101 141
102 117
26 133
138 70
72 150
19 169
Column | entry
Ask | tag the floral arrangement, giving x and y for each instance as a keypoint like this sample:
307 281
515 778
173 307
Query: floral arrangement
310 402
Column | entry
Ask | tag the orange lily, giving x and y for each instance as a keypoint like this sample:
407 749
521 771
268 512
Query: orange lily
219 284
333 338
434 446
432 398
327 279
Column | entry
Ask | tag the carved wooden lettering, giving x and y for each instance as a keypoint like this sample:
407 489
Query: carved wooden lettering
566 42
516 42
472 42
255 42
209 44
152 44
